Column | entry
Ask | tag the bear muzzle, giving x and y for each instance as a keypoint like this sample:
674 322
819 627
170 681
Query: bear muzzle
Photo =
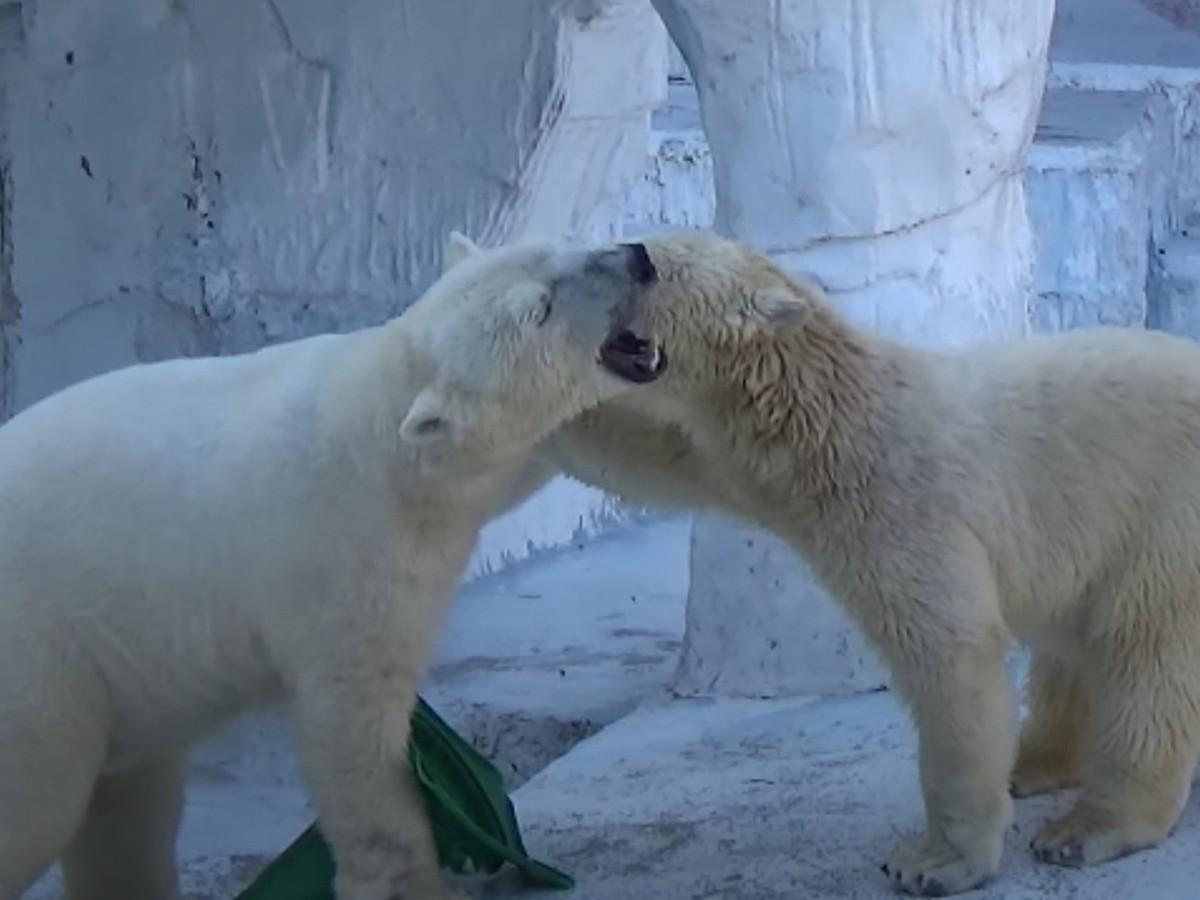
635 359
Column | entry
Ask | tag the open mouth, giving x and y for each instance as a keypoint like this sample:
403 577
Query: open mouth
635 359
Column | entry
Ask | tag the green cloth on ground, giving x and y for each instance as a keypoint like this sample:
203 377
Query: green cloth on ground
474 825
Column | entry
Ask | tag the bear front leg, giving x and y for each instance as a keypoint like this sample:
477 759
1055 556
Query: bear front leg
352 732
965 713
937 624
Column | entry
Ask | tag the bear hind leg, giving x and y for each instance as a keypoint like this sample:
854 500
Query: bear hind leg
126 845
1050 756
1144 732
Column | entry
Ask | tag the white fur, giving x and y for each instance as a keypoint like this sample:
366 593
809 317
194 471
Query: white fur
183 541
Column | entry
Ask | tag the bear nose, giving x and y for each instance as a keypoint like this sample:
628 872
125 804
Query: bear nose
637 261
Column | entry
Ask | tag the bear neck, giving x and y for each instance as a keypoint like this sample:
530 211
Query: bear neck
469 477
379 375
802 412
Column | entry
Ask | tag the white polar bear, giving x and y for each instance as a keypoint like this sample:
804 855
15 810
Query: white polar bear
1046 490
183 541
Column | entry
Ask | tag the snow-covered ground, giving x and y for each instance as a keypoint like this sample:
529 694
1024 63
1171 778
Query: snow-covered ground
756 800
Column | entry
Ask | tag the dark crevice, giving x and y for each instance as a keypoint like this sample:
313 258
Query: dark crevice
11 41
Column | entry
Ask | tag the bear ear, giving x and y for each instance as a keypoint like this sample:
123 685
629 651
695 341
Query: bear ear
458 247
778 306
430 418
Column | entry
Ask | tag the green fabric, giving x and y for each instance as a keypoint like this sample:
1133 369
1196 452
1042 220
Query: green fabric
474 825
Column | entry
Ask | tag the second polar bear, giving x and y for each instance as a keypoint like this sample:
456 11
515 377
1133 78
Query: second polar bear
185 540
1047 490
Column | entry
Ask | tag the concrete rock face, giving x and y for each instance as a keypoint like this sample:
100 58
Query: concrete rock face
891 170
183 178
1091 180
1143 189
864 159
759 626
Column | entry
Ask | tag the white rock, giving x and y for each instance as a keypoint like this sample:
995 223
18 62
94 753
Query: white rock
1120 45
1093 195
1176 286
794 643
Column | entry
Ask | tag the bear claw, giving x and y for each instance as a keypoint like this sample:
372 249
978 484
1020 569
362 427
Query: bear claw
1070 854
932 873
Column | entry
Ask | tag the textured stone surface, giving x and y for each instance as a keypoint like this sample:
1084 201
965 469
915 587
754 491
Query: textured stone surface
1117 45
1111 178
795 644
766 800
1120 45
1093 187
676 189
1183 13
1176 285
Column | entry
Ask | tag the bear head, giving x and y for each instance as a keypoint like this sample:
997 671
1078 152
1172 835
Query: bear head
509 341
717 308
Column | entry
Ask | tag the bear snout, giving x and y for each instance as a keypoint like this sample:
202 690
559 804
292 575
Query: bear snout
632 358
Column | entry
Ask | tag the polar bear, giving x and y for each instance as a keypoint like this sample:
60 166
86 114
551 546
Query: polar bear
186 540
1046 490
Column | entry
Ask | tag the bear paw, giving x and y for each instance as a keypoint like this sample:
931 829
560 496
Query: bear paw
1078 839
933 871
